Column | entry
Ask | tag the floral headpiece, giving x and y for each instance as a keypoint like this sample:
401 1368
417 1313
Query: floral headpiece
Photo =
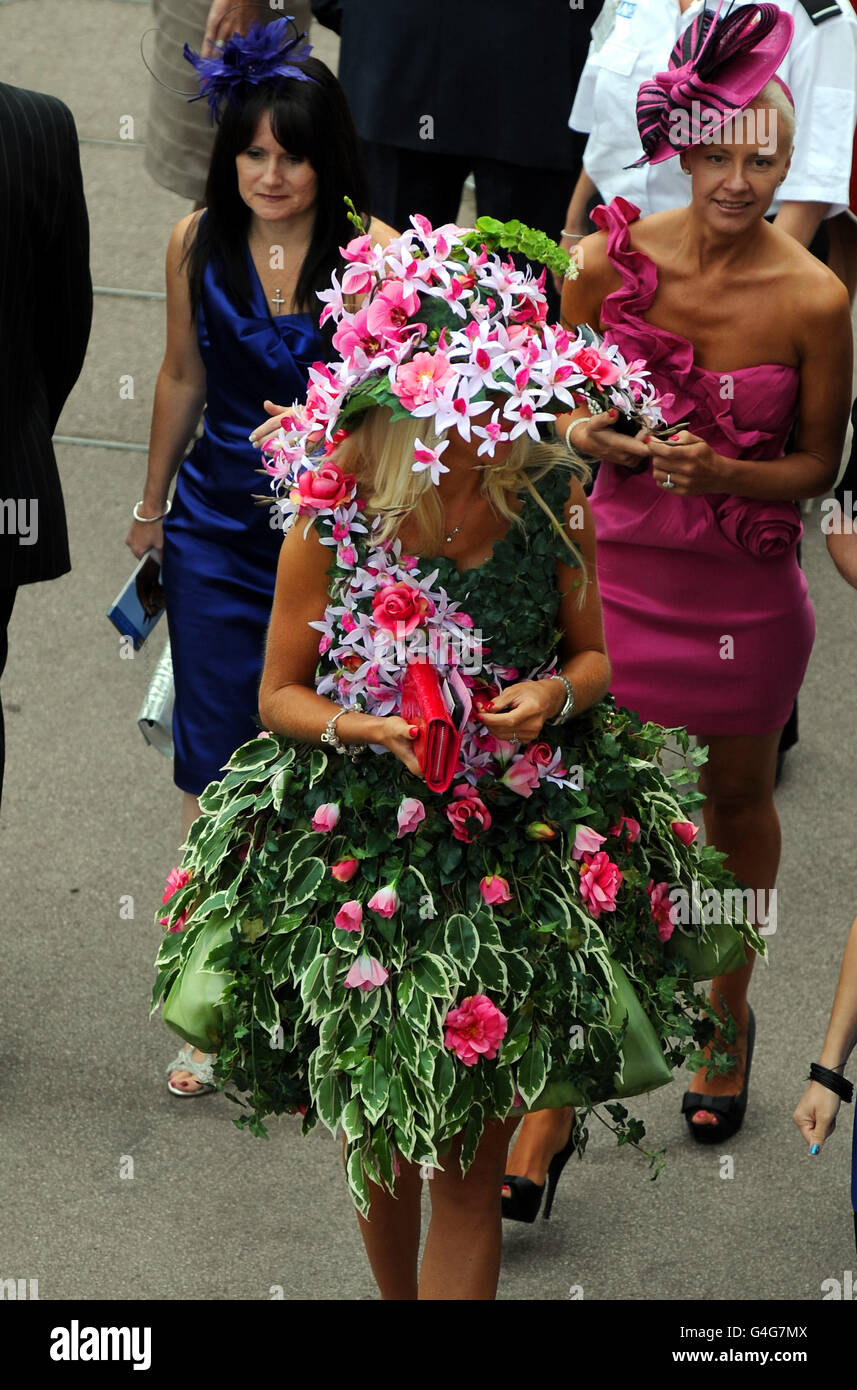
716 68
264 54
443 321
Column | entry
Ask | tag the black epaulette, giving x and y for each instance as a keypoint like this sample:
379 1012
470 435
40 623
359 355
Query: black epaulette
820 10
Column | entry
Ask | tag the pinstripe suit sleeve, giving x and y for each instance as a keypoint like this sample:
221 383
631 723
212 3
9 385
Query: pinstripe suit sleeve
65 287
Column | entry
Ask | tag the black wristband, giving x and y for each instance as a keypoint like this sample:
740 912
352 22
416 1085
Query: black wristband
832 1080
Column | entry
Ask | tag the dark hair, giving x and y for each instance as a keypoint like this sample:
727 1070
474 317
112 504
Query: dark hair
313 121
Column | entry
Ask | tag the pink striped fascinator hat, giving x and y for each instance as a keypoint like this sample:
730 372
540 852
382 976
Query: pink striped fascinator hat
717 67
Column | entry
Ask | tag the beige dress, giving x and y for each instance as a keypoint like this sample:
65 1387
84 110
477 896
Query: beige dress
179 133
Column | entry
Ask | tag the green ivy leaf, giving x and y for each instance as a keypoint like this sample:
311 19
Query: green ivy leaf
430 975
405 1042
374 1088
329 1100
352 1119
532 1073
304 883
461 940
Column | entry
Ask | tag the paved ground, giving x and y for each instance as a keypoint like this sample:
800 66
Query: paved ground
91 815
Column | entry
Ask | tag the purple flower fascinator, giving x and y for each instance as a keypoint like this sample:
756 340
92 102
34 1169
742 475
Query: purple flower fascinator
717 67
266 53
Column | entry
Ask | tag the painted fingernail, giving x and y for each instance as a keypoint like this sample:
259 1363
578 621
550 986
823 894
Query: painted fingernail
413 732
673 438
612 414
815 1150
646 438
489 706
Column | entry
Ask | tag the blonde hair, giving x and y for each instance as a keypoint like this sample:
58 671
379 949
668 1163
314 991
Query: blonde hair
380 451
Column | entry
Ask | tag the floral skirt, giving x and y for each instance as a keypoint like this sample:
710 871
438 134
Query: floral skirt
404 965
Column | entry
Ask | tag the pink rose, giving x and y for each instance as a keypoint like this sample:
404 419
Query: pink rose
521 776
326 817
599 369
385 902
465 809
323 488
400 608
586 841
475 1029
540 754
685 830
630 826
176 879
662 909
344 871
421 380
495 889
366 973
349 917
599 883
411 811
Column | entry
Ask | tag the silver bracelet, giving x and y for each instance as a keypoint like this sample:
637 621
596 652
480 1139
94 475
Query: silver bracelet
135 512
568 707
331 737
581 420
573 236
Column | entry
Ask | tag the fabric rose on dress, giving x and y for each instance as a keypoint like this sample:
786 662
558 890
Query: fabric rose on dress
600 879
685 830
399 608
586 841
322 488
599 369
385 902
495 889
349 917
475 1029
366 973
326 817
630 826
762 528
662 909
465 809
411 811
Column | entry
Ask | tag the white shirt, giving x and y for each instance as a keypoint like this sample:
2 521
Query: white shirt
820 70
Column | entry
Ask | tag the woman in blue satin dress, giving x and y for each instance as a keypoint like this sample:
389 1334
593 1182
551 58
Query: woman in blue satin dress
242 332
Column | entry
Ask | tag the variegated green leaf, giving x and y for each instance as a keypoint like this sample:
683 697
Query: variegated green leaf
461 940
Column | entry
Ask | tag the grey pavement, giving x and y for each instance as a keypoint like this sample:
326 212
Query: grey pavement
90 815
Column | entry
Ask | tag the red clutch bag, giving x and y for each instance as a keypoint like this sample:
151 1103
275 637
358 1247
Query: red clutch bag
439 708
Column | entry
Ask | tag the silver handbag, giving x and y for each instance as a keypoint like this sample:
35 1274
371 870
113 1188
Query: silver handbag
156 715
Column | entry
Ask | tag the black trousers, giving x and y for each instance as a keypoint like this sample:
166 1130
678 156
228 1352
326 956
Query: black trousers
406 181
7 601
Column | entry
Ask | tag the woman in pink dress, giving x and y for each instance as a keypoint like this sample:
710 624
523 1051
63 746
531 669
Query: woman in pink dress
707 616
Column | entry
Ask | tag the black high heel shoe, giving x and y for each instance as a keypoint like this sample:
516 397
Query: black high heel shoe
729 1109
526 1196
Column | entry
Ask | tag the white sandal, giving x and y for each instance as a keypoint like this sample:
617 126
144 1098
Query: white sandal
201 1070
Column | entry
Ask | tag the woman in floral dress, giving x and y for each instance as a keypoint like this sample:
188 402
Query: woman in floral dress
418 967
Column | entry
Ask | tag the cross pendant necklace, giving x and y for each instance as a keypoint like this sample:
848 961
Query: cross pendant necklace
277 300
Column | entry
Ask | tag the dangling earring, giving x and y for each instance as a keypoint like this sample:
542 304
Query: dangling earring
684 171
